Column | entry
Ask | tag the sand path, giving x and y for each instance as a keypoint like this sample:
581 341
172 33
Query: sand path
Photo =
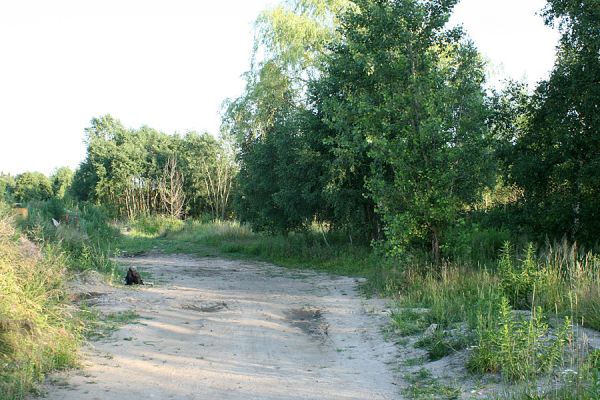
220 329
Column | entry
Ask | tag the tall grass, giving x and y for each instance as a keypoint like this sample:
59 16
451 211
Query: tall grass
84 234
37 331
553 287
308 249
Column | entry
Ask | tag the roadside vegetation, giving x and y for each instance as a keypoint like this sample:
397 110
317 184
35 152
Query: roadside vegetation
38 332
40 329
365 143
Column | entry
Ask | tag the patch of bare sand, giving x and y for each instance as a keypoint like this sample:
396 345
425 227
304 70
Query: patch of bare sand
219 329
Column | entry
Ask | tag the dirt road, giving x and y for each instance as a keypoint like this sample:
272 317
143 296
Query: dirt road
218 329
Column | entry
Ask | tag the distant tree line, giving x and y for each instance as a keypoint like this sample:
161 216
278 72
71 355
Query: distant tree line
135 172
35 186
144 171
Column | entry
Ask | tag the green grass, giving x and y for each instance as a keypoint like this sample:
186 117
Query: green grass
38 333
232 240
442 343
407 322
101 326
422 385
486 302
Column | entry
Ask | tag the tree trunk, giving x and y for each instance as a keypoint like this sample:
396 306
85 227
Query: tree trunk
435 245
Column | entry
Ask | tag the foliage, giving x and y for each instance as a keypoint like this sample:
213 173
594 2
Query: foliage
37 332
170 188
7 184
519 349
283 160
404 95
124 169
554 157
154 226
518 284
281 178
306 249
32 186
61 182
84 236
442 343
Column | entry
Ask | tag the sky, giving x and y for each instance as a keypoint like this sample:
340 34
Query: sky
170 64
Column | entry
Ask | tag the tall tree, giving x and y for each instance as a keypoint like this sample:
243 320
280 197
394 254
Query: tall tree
291 37
61 181
557 155
170 188
404 98
124 169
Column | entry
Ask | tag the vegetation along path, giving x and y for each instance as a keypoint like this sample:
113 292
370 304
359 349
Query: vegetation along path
216 329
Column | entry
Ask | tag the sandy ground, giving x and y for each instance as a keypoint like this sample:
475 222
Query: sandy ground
219 329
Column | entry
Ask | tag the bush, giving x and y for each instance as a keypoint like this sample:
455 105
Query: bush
84 234
155 225
518 348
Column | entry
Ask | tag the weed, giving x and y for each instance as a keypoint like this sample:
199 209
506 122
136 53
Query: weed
406 321
518 348
422 385
37 332
442 343
101 326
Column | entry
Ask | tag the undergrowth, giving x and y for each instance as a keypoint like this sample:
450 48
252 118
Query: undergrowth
38 333
226 238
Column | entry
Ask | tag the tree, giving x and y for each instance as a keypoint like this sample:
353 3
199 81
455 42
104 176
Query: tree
125 169
291 38
32 186
218 177
7 184
61 181
170 188
555 158
404 98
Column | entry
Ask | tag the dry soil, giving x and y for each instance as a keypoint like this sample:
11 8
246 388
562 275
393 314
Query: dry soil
219 329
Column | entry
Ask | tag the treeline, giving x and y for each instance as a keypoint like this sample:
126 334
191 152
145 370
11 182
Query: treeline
35 186
138 172
373 118
144 171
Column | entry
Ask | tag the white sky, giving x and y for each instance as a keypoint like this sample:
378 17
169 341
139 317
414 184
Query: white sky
170 64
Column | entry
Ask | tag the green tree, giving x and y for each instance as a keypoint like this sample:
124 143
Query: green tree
32 186
61 181
267 121
7 184
124 169
404 98
556 157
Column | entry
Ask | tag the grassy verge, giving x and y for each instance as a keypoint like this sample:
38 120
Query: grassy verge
517 318
230 239
38 332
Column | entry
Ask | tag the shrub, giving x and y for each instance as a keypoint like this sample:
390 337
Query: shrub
155 225
518 348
